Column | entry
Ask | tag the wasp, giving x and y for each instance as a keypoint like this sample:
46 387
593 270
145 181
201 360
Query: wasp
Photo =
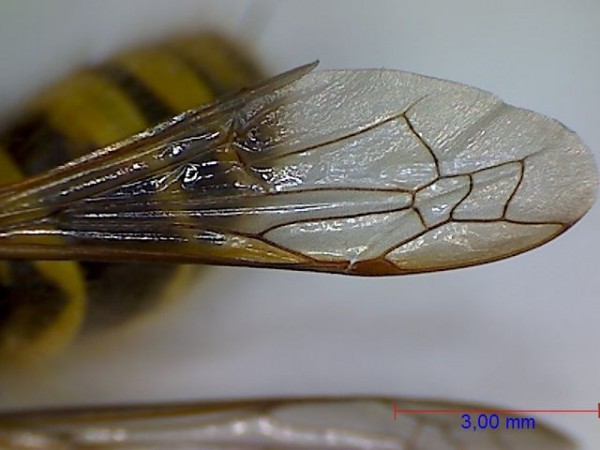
154 159
88 110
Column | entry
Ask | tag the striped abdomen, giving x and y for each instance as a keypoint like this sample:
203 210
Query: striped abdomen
44 304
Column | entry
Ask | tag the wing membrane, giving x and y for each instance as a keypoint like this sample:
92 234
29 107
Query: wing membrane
356 423
366 172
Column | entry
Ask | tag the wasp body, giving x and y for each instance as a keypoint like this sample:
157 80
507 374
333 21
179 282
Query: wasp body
44 304
368 172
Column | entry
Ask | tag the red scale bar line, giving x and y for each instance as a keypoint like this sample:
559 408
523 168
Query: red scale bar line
496 411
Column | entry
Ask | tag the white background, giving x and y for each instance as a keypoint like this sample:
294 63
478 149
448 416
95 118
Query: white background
521 333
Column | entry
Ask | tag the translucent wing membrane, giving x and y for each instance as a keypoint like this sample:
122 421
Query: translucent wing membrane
362 172
353 424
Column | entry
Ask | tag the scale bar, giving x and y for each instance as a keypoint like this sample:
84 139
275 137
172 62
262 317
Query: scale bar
495 411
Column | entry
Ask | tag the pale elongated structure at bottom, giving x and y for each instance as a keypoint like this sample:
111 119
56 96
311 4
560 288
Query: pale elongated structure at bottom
303 424
369 172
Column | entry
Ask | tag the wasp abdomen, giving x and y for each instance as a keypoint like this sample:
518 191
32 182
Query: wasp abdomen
43 305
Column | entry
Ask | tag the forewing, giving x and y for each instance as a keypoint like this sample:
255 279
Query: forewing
349 424
363 172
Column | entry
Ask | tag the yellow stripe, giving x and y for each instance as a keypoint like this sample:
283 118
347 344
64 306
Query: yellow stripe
208 53
168 77
66 275
91 112
9 171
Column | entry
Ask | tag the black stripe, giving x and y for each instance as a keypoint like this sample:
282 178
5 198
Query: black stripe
35 145
119 292
150 106
29 301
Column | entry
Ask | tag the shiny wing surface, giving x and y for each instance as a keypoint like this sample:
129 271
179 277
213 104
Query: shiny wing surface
351 424
369 172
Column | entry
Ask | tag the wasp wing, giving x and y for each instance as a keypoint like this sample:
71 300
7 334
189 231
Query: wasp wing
363 172
349 424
